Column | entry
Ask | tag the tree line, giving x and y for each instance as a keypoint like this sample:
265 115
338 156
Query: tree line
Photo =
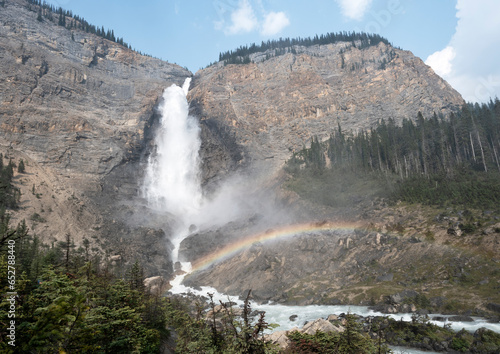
67 19
282 46
459 153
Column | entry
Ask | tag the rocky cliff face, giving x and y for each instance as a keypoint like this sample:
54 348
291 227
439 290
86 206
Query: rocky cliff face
79 103
79 110
275 106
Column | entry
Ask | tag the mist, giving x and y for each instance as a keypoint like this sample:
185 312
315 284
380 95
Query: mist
172 182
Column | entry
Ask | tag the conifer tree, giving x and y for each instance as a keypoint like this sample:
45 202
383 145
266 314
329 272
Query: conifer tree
21 167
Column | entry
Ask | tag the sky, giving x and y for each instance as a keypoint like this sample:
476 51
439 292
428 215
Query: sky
459 39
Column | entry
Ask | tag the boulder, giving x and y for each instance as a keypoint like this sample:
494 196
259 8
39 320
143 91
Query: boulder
279 338
155 284
408 308
320 325
439 318
333 317
148 282
437 301
391 309
395 299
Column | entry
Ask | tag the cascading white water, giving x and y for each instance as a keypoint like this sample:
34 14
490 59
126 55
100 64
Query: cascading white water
172 179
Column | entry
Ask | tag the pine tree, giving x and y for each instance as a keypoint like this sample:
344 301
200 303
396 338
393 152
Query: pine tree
21 167
136 277
352 339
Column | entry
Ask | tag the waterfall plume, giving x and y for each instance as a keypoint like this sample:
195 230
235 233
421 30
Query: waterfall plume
172 178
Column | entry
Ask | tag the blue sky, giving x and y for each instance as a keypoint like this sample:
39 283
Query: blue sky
458 38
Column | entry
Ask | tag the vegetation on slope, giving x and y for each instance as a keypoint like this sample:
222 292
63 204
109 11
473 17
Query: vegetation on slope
66 299
73 300
435 161
286 45
67 19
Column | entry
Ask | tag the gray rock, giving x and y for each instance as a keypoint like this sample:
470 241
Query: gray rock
437 301
279 338
320 325
332 317
439 318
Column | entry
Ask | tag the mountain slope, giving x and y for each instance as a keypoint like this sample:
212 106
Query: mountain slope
275 105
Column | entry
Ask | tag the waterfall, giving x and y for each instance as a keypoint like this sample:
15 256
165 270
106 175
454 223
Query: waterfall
172 178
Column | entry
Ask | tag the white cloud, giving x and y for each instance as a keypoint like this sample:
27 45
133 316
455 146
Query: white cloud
354 9
441 61
274 22
473 70
242 19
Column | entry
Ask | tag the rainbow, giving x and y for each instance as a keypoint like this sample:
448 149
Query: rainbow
270 235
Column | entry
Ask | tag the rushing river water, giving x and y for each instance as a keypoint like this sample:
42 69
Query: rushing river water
280 314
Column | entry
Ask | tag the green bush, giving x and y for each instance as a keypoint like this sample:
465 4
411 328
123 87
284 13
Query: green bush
352 340
462 341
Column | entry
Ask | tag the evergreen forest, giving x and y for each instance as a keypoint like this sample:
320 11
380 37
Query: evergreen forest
67 19
434 160
282 46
